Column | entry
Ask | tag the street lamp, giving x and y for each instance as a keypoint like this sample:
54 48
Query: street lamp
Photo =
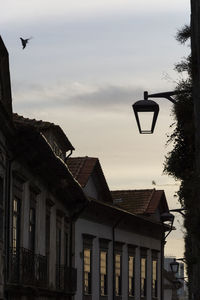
145 106
174 265
168 219
149 106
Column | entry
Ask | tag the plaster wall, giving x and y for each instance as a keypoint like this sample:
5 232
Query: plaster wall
167 294
90 189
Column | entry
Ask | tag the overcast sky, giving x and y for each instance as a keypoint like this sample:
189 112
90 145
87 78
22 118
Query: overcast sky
87 63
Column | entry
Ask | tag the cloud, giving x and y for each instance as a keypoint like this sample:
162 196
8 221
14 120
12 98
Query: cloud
75 94
29 10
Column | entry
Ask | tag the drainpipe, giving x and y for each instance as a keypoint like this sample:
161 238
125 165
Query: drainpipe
113 254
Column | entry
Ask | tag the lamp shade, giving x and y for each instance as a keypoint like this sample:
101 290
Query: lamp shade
146 106
174 265
167 217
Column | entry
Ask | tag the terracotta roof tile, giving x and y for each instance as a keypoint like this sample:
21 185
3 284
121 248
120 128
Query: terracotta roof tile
31 122
138 201
81 168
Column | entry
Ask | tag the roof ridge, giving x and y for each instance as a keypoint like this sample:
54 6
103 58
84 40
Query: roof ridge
82 157
128 190
19 118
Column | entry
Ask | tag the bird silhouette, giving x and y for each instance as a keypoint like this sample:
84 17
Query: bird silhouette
24 42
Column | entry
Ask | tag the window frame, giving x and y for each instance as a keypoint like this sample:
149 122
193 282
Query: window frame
143 280
17 196
131 253
103 277
66 241
87 245
32 220
119 279
154 287
103 247
58 240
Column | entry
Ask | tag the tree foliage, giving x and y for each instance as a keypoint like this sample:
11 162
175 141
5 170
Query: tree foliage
180 162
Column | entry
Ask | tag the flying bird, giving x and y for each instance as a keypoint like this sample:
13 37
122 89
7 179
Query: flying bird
24 42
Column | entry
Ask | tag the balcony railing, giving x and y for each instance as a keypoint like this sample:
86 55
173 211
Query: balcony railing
27 268
66 279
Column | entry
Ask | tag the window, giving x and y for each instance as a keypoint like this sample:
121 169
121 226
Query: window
87 264
66 241
49 204
47 239
32 220
118 278
87 272
143 274
103 272
16 224
66 248
131 275
16 213
154 275
58 242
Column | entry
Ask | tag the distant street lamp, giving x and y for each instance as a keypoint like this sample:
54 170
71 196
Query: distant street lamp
182 259
168 219
149 106
174 265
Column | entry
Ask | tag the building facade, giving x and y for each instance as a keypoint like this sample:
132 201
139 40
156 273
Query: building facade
39 200
6 137
63 234
118 253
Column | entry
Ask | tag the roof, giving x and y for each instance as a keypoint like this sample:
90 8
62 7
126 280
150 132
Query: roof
42 126
83 168
140 201
32 149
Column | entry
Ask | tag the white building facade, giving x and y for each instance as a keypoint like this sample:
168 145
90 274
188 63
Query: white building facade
137 262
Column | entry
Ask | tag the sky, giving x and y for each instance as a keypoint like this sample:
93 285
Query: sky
86 64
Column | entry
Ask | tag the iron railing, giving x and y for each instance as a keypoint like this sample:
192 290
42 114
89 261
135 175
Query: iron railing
26 267
66 279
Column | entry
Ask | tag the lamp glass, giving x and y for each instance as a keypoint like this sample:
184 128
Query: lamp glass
174 266
146 120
